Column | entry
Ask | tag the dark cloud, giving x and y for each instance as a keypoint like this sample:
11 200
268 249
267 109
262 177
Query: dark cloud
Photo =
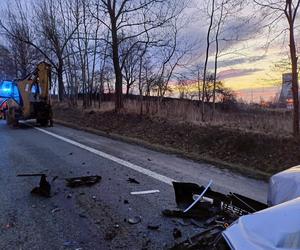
231 73
239 61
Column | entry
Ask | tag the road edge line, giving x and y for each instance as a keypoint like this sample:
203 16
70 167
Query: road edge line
147 172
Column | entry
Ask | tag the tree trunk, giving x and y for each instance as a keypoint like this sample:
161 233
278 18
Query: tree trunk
127 89
295 87
206 58
216 61
61 88
117 67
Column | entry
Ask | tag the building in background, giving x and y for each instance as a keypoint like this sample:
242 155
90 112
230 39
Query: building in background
286 96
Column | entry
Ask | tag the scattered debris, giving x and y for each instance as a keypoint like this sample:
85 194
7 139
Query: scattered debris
9 225
126 202
153 226
83 181
44 188
145 245
69 196
196 223
110 235
211 213
183 222
177 233
191 214
69 243
82 216
94 197
145 192
135 220
54 178
205 240
55 210
132 180
149 159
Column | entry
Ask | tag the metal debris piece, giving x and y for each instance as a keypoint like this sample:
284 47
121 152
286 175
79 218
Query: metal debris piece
183 222
44 188
55 210
199 197
83 181
135 220
177 233
132 180
69 196
196 223
145 192
200 214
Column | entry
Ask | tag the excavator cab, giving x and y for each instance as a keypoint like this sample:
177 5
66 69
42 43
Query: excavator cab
29 98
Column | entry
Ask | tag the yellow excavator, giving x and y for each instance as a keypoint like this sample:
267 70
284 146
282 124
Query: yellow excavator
29 98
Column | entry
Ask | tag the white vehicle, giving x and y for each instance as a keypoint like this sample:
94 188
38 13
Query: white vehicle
274 228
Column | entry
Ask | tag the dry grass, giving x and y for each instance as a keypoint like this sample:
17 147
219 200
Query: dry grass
179 128
276 122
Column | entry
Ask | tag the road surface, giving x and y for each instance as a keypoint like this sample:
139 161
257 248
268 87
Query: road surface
95 217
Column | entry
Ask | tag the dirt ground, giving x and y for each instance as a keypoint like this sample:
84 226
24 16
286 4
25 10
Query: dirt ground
264 152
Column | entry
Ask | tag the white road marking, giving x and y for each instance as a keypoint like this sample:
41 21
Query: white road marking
124 163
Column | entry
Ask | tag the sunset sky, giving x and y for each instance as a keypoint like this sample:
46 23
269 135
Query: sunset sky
248 65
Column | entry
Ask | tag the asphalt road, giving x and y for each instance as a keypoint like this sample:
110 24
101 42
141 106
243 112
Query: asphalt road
95 217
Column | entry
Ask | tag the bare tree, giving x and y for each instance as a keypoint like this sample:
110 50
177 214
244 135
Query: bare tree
130 65
23 54
288 9
131 19
173 51
7 64
46 33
